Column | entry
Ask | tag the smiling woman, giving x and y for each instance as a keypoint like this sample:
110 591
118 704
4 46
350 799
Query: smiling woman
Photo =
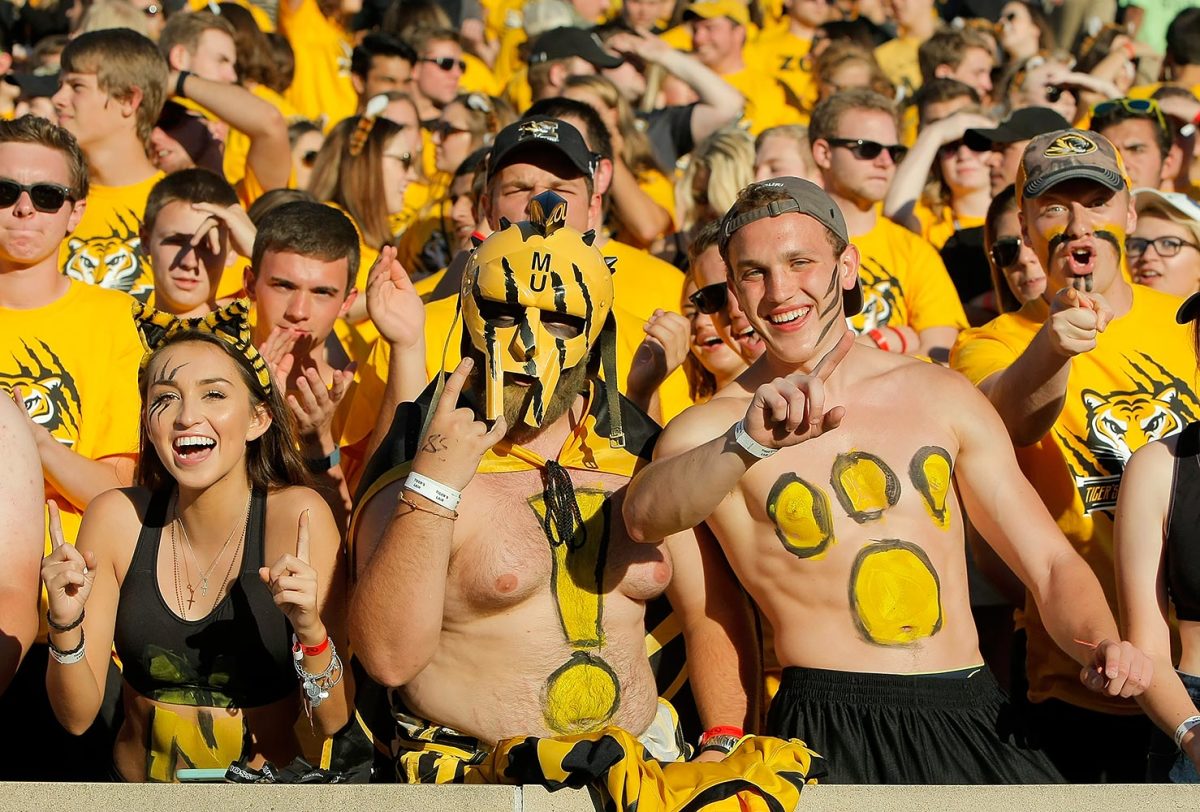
218 534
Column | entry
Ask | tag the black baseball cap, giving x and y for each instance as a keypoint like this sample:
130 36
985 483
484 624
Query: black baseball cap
34 85
542 133
1021 125
563 43
803 197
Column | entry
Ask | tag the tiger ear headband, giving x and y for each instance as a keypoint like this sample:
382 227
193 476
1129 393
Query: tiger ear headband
229 324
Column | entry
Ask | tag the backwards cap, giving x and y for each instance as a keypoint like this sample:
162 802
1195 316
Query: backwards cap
803 197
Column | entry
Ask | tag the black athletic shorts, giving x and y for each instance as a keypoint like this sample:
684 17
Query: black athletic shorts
889 729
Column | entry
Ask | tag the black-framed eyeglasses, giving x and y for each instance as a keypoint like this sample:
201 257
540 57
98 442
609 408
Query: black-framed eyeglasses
46 197
710 298
1006 251
1165 246
869 150
444 129
309 159
446 63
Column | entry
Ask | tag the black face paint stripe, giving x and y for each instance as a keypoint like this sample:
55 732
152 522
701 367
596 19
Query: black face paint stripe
589 307
560 294
525 333
510 282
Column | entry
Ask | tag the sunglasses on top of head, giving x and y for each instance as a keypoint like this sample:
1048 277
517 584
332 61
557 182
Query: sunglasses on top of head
710 298
446 63
46 197
869 150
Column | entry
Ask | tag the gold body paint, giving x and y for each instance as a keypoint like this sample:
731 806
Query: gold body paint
931 471
203 743
895 594
583 693
865 485
802 517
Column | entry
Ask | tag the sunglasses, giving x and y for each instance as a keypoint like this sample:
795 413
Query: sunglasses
46 197
1141 108
869 150
446 63
952 148
405 159
710 298
443 129
1006 251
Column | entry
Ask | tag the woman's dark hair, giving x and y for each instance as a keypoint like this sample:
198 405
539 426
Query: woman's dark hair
272 461
255 57
1004 202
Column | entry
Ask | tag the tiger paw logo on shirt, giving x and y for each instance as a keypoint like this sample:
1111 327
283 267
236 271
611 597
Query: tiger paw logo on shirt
1119 422
49 392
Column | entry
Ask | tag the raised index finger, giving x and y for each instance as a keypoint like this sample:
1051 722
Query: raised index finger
56 533
302 537
455 384
834 357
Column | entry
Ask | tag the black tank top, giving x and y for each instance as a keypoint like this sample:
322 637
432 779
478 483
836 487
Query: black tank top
238 656
1183 527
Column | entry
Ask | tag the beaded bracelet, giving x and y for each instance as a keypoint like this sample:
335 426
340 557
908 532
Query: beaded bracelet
316 687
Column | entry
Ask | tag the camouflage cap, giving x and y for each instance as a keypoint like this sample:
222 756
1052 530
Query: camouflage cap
1068 155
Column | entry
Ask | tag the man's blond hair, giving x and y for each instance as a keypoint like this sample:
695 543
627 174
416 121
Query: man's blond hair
122 60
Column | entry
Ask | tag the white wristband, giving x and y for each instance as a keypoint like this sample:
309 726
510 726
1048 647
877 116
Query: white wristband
433 490
749 443
1184 726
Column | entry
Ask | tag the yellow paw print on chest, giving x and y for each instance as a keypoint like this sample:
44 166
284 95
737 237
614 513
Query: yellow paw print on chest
894 590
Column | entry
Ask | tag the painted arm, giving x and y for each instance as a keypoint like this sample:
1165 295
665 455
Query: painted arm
1142 513
724 662
1010 515
397 607
1029 394
270 154
21 542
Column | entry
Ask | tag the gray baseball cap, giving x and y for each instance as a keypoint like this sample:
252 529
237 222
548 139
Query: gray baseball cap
803 197
1068 155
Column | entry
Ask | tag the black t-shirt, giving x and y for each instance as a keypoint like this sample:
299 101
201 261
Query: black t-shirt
670 132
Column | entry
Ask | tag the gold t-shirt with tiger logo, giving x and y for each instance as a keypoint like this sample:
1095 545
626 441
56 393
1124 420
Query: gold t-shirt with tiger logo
76 363
105 249
1136 386
904 282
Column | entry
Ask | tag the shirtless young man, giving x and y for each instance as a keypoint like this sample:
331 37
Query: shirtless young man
490 626
851 539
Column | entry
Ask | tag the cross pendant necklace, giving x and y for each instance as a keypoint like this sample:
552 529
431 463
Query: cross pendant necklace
192 594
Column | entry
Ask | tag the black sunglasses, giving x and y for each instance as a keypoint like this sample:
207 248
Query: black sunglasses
952 148
46 197
446 63
710 298
1006 251
869 150
443 129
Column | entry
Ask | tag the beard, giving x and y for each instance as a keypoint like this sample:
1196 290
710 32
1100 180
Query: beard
519 399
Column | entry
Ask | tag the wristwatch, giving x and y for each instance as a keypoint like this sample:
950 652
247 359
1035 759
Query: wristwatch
722 741
323 464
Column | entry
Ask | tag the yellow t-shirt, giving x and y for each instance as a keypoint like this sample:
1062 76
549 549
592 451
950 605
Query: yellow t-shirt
517 91
1136 386
508 56
767 103
784 55
76 362
105 248
321 88
261 17
478 77
904 282
898 58
936 230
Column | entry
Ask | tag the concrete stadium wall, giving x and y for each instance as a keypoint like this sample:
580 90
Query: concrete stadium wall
394 798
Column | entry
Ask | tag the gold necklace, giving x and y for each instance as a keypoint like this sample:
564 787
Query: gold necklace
191 550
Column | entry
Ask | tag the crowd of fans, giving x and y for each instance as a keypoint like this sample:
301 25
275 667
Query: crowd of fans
316 207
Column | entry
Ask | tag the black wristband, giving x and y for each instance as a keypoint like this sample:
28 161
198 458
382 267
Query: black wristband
323 464
69 626
183 75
